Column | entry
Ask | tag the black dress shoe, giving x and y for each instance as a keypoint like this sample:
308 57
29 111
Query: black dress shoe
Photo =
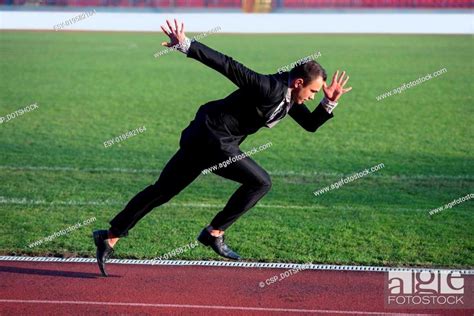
217 244
103 249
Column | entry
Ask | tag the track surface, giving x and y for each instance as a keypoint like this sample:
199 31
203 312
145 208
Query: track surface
43 288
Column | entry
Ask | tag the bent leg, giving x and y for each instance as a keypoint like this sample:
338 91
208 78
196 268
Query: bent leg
255 184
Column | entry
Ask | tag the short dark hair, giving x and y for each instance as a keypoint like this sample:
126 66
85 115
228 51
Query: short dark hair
308 71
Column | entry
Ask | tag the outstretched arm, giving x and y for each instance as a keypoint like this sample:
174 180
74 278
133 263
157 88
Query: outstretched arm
240 75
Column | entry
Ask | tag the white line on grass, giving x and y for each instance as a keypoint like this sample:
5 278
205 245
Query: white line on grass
25 201
281 173
238 308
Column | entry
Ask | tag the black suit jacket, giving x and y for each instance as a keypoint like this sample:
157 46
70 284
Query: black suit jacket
226 122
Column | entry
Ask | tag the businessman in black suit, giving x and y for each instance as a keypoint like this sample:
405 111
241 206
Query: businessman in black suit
216 132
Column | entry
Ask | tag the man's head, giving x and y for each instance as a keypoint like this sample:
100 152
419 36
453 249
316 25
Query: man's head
306 80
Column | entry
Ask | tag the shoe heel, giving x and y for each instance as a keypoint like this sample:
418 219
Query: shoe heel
203 238
95 236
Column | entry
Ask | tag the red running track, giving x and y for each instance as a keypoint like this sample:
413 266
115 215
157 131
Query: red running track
43 288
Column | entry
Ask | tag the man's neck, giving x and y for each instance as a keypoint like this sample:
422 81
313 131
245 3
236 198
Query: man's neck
290 88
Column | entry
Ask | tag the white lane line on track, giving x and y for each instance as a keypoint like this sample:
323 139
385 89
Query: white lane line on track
238 308
240 264
282 173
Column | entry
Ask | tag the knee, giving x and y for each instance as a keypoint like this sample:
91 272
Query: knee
267 185
264 183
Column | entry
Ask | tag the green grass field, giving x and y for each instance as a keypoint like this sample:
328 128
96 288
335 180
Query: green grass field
91 87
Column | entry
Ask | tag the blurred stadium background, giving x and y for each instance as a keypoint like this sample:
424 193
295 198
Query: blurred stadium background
233 16
251 5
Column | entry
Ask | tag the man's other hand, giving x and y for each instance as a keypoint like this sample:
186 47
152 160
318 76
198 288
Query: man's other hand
176 35
336 89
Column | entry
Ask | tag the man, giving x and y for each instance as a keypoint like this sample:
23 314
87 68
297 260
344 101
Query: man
216 132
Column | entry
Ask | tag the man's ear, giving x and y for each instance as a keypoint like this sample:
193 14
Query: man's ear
298 83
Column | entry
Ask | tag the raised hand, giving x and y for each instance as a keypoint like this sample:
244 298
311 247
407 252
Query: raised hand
175 34
336 89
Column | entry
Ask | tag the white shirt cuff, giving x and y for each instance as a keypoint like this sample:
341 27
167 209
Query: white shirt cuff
328 105
183 47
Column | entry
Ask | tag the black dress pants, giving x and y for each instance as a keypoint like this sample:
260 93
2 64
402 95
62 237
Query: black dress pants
181 170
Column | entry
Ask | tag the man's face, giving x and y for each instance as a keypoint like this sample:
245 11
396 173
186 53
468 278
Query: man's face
302 93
